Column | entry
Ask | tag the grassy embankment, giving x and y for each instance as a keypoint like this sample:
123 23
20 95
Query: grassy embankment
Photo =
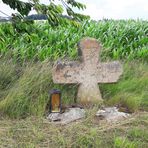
24 85
25 82
24 90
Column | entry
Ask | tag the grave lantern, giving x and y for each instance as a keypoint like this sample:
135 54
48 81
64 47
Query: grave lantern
55 101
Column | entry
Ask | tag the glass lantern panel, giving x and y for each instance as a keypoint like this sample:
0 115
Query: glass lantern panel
55 103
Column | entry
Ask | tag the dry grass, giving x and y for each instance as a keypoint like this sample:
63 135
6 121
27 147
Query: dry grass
89 132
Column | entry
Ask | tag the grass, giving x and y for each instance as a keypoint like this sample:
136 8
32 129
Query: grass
89 132
132 89
24 84
26 88
28 95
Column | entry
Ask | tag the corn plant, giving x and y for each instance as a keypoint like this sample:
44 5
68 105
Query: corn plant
124 39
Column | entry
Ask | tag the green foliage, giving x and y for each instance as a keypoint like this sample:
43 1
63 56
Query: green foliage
131 90
8 75
52 10
28 95
123 142
32 100
23 7
120 39
138 133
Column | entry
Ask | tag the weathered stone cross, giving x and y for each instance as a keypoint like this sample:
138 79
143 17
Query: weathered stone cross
87 73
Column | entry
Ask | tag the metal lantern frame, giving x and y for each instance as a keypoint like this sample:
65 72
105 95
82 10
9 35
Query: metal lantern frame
53 92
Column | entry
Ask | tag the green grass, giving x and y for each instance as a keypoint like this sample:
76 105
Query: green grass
132 89
28 94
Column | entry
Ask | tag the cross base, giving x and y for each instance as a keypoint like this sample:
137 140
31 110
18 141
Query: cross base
89 94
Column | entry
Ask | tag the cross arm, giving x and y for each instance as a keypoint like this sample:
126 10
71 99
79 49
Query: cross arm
66 72
109 72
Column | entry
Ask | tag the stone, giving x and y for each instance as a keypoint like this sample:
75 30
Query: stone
87 72
70 115
111 114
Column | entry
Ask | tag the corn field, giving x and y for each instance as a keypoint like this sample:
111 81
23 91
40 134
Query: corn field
124 39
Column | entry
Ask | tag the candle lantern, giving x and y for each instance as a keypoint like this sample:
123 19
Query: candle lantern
55 101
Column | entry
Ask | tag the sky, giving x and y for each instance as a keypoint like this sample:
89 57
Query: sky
108 9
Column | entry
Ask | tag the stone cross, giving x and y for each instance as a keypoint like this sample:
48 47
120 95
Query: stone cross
87 72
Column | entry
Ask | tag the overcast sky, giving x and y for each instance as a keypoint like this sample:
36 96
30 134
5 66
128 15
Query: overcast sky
111 9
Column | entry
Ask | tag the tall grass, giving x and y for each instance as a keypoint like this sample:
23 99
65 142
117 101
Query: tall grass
28 95
132 89
120 39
